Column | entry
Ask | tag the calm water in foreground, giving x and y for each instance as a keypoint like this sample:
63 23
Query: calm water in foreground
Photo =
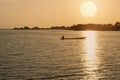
41 55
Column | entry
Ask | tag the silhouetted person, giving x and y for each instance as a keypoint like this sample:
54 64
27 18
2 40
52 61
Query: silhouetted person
62 37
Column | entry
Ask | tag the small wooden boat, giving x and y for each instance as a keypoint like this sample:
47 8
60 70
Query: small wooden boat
72 38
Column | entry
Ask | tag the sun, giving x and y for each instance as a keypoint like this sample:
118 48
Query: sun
88 9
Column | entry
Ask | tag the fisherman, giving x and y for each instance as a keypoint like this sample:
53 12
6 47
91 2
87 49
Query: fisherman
62 37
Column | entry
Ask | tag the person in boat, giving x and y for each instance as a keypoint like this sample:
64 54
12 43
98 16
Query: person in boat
62 37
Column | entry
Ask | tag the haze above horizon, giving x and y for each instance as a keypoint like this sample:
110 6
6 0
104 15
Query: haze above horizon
46 13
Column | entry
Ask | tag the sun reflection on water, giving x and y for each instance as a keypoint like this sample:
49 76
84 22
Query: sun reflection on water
91 58
90 45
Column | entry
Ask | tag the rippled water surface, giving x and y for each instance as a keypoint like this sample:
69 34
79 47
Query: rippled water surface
41 55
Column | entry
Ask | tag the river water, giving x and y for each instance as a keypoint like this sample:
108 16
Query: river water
41 55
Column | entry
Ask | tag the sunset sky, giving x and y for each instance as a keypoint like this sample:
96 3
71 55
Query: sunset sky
46 13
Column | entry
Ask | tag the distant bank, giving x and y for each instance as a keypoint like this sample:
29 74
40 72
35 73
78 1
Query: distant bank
79 27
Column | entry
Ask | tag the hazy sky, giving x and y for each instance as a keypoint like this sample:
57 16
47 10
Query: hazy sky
46 13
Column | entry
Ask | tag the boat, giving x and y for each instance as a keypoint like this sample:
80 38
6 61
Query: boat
72 38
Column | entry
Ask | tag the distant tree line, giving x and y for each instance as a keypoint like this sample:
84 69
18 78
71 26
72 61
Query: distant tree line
97 27
77 27
28 28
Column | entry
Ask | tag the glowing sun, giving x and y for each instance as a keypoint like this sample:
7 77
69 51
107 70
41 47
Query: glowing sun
88 9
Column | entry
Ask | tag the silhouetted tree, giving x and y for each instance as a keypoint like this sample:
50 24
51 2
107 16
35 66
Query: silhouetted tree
117 26
36 28
26 27
58 27
109 27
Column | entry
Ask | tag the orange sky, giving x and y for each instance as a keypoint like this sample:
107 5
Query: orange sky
46 13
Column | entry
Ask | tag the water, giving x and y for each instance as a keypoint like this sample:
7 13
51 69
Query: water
41 55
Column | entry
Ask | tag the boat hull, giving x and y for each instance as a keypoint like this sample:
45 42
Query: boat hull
73 38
